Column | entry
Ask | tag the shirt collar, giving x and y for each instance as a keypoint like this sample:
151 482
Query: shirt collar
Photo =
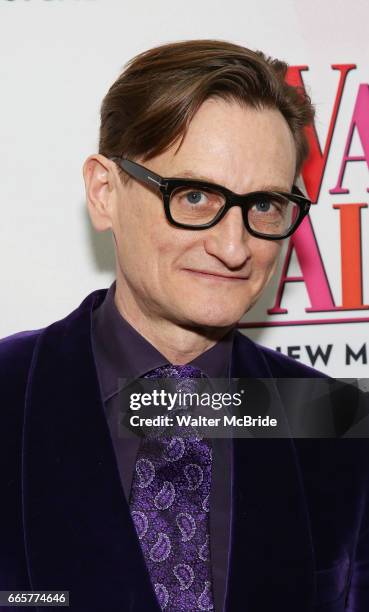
122 352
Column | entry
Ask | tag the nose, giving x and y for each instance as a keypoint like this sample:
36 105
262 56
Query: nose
228 241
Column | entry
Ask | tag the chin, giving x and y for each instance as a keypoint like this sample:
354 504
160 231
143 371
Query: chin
217 310
215 317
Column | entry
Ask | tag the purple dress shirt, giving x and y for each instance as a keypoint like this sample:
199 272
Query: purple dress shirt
122 353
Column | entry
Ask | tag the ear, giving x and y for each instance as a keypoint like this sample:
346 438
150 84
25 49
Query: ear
99 174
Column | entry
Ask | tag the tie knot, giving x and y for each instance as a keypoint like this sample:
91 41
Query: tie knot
179 378
175 371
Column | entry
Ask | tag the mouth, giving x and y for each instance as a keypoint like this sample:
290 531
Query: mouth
216 276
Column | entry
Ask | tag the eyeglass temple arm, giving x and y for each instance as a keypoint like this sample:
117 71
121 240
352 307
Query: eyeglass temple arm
297 191
307 203
139 172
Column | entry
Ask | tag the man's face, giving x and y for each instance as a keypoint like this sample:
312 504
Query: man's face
206 278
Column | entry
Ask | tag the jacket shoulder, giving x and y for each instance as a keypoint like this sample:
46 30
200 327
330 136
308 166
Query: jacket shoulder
16 351
279 365
287 366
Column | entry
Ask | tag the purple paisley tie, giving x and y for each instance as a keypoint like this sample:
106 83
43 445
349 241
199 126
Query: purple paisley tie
170 508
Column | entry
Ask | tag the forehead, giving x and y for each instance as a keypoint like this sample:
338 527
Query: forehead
237 146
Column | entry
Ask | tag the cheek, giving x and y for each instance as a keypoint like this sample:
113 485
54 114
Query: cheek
266 256
160 245
157 251
170 243
135 230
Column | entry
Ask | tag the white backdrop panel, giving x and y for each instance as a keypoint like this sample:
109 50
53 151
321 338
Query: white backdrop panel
58 58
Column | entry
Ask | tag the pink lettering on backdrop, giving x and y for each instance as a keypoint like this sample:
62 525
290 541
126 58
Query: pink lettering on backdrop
314 167
304 243
312 269
360 121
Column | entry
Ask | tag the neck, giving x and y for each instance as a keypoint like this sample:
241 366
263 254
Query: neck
179 343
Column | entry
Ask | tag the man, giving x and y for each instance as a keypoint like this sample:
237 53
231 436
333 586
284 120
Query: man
283 524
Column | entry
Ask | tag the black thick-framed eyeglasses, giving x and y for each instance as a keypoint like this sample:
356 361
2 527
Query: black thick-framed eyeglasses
196 204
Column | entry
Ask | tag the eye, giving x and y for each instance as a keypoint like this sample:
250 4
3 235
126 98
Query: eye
263 206
196 197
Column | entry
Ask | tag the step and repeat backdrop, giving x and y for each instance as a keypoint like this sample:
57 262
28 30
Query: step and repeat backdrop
59 57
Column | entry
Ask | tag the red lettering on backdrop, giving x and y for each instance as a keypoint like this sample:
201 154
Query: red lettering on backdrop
313 273
360 120
313 169
351 260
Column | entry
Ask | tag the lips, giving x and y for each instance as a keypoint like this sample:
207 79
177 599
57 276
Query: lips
207 273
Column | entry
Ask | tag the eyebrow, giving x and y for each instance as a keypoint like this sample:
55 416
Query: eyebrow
201 177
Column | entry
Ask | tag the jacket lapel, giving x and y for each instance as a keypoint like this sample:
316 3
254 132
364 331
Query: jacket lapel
78 531
271 558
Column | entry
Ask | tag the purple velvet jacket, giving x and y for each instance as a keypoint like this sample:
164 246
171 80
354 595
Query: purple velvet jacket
300 516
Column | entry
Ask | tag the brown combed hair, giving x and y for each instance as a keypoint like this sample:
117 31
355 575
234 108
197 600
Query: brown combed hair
152 102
